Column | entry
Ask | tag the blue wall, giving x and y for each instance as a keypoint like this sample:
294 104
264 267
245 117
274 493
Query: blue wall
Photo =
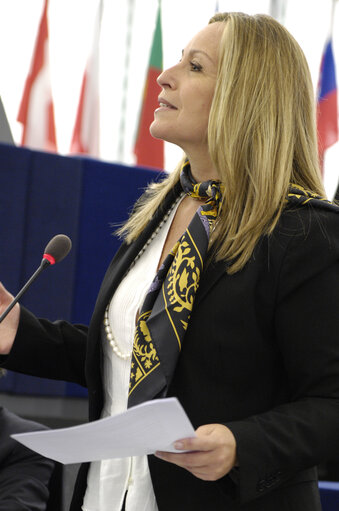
43 194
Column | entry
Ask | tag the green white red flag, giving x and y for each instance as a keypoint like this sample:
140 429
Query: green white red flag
148 150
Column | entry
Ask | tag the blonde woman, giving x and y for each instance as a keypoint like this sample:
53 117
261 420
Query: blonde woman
224 292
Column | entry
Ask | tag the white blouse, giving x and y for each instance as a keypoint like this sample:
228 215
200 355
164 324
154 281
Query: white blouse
108 480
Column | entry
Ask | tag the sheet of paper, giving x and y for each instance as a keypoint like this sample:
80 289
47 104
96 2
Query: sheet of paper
146 428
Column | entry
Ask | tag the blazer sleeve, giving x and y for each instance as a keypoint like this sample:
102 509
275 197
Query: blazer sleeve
55 350
275 445
24 474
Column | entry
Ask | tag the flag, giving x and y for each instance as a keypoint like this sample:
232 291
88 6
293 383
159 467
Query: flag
327 105
85 138
36 112
149 151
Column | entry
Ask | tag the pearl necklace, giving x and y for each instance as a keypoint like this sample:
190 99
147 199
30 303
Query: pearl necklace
112 341
109 334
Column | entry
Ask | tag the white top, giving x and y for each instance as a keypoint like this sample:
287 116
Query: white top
108 480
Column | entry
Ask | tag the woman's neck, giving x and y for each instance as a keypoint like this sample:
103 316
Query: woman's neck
202 168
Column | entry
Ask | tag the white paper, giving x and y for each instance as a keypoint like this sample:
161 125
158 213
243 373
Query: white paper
143 429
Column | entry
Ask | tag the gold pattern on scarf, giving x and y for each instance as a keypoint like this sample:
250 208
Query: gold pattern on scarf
145 358
183 278
305 195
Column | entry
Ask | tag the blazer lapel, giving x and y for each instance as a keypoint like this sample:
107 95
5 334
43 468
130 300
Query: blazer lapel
210 276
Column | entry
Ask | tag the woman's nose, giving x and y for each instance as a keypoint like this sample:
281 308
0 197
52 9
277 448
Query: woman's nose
166 79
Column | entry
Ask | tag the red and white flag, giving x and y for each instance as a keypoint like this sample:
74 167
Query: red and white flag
36 111
85 137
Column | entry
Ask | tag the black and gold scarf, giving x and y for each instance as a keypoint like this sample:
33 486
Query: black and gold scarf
298 195
165 313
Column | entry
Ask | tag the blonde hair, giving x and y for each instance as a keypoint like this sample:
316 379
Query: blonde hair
261 133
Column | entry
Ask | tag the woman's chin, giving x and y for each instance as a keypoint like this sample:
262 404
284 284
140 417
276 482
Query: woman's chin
156 131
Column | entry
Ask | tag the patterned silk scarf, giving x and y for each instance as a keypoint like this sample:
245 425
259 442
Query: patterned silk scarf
298 195
165 313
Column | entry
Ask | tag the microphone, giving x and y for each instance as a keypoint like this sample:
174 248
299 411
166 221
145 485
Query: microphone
55 251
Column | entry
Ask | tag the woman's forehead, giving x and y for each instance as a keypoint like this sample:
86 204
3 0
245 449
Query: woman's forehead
207 41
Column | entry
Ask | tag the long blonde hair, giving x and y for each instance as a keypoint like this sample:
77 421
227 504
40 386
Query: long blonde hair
261 133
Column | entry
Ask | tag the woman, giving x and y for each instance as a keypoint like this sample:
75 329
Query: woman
240 322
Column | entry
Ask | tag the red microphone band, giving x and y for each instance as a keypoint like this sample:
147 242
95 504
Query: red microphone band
49 258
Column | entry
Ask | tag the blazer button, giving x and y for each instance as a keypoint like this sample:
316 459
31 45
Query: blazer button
269 481
261 485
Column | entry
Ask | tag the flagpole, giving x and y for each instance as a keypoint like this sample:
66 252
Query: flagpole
128 45
278 10
332 18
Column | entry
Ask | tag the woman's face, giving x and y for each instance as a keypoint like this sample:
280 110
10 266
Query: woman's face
187 92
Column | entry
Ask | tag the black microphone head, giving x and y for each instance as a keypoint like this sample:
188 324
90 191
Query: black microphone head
57 248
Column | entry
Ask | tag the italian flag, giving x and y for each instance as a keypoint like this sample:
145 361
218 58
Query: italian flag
148 150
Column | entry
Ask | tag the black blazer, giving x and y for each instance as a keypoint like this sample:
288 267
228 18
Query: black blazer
260 355
24 474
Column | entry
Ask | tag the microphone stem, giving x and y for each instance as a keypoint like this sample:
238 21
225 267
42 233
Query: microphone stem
43 265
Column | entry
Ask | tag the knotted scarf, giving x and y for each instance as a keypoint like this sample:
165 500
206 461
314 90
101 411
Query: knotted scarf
165 313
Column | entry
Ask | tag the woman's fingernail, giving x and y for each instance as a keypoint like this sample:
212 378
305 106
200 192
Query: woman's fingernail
178 445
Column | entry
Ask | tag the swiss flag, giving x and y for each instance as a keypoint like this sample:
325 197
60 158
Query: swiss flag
36 111
85 137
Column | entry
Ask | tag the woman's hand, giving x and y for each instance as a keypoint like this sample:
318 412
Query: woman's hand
213 456
9 326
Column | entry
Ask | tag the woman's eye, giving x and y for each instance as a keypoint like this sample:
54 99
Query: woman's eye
195 67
